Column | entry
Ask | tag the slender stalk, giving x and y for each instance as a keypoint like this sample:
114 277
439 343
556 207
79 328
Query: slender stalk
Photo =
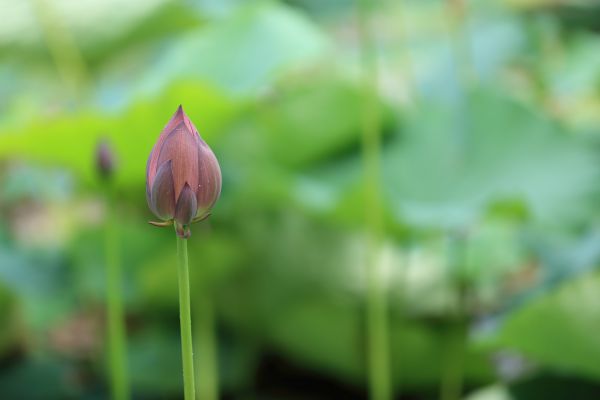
185 318
456 337
377 319
453 370
379 369
114 303
207 363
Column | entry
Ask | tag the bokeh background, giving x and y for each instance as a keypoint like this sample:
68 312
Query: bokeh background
490 124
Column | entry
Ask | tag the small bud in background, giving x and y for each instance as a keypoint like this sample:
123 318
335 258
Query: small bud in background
105 159
183 177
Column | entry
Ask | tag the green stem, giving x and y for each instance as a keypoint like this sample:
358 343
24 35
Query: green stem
185 318
377 319
208 378
115 315
453 370
379 370
456 337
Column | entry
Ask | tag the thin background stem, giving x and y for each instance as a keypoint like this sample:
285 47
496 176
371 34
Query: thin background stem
453 365
117 348
208 377
187 354
457 333
377 319
63 49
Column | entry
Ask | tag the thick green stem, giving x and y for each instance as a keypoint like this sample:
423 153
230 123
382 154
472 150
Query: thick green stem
187 354
208 388
115 316
377 319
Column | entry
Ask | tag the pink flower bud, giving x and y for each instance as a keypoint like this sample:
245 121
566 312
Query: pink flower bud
183 177
105 159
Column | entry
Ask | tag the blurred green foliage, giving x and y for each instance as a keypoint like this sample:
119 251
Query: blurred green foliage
490 133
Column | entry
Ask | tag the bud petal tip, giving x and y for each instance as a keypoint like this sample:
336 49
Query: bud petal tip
186 207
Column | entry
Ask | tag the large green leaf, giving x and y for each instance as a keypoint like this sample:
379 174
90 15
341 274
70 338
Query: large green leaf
451 164
70 140
242 53
312 121
558 330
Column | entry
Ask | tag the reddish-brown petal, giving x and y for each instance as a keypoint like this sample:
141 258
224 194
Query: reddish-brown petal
190 125
186 207
148 184
153 161
181 148
162 196
209 179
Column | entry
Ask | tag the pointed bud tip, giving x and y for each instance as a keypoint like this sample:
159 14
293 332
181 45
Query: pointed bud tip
177 118
181 116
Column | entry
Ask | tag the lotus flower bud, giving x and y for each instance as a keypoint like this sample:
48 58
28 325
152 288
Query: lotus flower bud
183 177
105 159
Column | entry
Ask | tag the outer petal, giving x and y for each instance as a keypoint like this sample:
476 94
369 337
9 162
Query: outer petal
153 163
209 179
148 199
186 207
181 147
162 196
